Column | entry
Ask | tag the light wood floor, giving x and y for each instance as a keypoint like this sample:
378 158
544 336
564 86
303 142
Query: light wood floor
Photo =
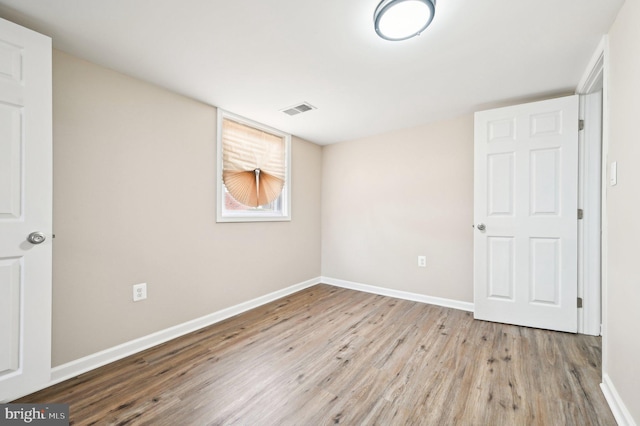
334 356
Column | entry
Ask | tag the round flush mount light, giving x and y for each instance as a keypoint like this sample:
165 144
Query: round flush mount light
397 20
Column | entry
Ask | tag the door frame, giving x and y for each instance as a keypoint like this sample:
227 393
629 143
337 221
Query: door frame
592 232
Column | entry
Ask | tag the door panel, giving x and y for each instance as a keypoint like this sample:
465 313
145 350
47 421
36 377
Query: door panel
525 186
25 207
10 61
10 167
500 191
545 182
545 270
10 286
501 268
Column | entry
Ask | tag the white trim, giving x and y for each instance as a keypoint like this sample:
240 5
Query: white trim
619 410
591 230
98 359
603 215
107 356
399 294
590 79
581 223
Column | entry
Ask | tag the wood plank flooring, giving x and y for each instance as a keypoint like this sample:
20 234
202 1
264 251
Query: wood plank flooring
328 355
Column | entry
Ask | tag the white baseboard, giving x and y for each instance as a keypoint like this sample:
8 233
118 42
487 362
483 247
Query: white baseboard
618 408
415 297
98 359
90 362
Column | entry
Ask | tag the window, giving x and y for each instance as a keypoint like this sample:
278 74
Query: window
254 163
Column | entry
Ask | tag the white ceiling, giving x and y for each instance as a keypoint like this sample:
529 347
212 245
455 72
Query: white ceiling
255 57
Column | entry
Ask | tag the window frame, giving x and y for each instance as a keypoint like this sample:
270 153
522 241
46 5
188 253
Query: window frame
223 215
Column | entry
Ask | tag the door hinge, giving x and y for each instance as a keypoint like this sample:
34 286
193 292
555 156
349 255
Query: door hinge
580 124
579 302
580 213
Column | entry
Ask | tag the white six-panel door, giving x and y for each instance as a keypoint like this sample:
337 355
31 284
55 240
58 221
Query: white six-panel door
25 207
525 213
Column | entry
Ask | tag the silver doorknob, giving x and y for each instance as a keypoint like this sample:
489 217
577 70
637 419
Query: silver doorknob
481 227
36 238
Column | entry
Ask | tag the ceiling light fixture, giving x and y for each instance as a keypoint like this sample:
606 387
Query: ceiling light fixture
397 20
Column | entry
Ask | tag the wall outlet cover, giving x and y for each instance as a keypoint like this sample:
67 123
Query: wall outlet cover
139 292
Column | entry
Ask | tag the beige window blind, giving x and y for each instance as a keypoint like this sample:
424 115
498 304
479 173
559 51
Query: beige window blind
253 163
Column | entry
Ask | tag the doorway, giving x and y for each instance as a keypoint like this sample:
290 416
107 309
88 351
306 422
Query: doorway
590 199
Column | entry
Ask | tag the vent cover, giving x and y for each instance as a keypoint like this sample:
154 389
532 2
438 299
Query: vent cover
298 109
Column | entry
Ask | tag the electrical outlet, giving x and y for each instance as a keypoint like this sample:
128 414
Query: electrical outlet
139 292
422 261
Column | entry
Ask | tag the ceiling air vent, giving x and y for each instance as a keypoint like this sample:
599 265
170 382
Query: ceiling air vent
297 109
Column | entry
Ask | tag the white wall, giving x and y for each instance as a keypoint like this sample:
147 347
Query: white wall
387 199
623 204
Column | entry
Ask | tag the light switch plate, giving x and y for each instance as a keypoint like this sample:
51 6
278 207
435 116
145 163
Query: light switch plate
613 173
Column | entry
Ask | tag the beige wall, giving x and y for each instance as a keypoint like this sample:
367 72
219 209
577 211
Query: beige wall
389 198
134 201
623 204
134 187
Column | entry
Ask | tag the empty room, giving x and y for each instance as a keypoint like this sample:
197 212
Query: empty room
393 212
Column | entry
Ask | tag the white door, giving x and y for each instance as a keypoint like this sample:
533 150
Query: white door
25 207
525 213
